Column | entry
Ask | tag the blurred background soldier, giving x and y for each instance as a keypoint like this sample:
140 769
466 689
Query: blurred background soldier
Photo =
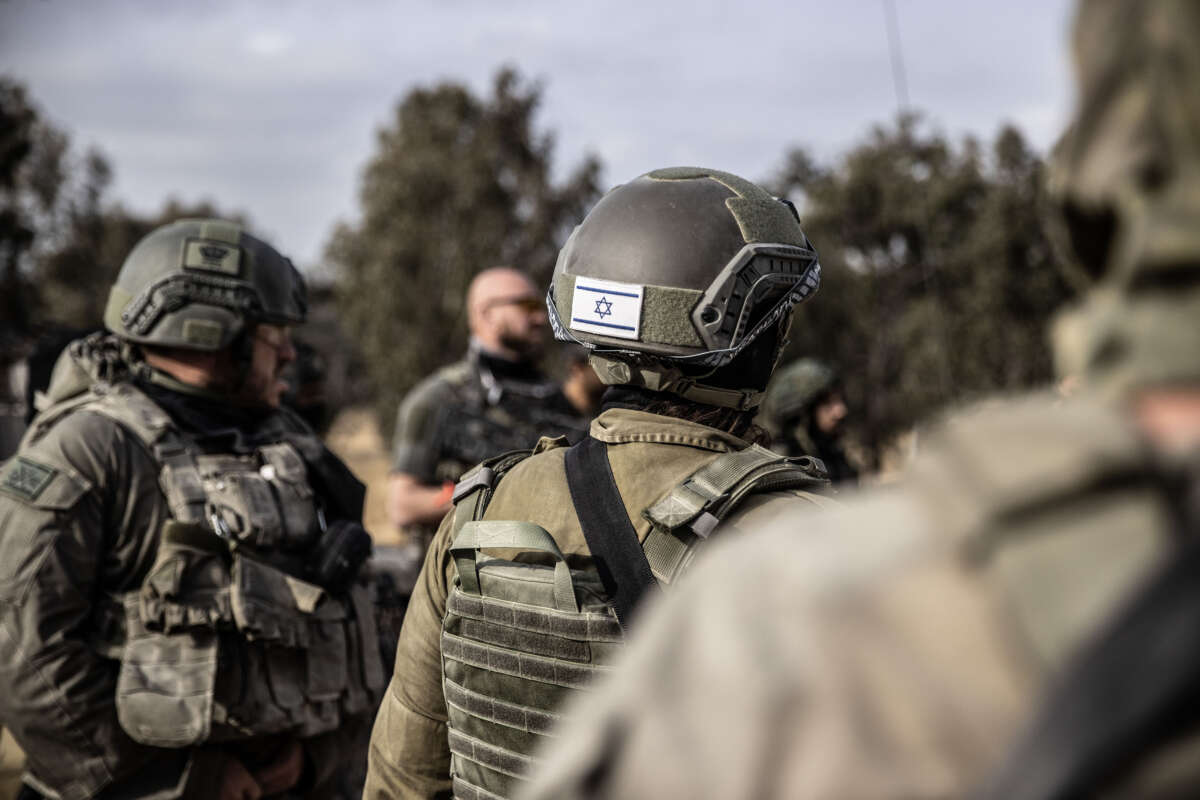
495 400
896 649
582 386
805 413
681 284
181 612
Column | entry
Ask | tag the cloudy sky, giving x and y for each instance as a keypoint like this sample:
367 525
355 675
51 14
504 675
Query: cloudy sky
271 107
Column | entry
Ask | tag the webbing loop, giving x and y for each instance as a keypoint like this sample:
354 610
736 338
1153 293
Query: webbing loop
497 534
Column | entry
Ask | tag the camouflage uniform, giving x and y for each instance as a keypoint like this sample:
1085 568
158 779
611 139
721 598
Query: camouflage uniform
471 410
897 649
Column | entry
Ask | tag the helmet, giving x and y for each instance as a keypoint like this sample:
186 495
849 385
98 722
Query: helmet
795 388
1126 177
672 279
197 283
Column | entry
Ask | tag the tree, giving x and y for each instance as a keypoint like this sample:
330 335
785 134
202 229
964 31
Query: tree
61 241
31 179
457 184
938 278
73 276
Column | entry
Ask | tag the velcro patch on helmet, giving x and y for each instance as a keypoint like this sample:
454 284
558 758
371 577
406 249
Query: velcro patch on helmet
202 333
213 256
607 308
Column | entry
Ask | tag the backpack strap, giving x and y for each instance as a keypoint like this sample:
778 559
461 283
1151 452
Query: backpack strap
688 513
1132 689
611 537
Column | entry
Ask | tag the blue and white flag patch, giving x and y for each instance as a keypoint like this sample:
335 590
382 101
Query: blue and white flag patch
607 308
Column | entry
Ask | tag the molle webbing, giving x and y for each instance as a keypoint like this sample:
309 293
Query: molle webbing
581 625
496 758
566 674
691 511
515 641
514 716
469 791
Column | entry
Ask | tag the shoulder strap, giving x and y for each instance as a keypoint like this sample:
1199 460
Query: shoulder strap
610 534
178 475
690 512
1133 689
475 488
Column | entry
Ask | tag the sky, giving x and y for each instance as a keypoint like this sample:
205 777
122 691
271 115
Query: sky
271 107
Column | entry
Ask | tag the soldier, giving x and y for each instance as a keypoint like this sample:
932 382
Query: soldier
805 412
582 386
682 284
180 608
494 400
896 649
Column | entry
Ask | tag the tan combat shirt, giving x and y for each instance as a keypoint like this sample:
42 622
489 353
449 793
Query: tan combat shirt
893 650
650 454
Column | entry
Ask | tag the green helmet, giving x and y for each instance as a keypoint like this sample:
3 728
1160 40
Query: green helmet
197 284
1126 176
674 277
794 389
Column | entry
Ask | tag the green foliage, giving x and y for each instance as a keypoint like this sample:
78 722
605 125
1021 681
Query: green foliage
31 176
938 278
458 184
61 243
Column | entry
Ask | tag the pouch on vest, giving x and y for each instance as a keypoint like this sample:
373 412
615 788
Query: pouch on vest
223 646
165 686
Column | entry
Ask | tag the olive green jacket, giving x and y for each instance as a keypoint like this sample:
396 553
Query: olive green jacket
650 454
895 648
80 513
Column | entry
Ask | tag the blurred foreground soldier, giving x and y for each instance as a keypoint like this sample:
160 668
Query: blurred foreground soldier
181 613
12 760
682 284
494 400
805 412
1041 546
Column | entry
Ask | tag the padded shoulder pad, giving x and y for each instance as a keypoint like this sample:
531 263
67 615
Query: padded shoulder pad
40 484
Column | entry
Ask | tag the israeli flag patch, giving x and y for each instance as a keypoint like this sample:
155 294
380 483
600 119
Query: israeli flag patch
607 308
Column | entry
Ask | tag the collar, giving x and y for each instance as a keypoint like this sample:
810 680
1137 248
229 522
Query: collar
623 425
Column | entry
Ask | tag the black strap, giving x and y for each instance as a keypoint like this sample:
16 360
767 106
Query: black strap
1131 690
610 535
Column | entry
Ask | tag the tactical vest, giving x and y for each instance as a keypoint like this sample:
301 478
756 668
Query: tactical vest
492 415
223 640
520 635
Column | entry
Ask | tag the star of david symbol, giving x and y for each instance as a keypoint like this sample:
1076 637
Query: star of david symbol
603 308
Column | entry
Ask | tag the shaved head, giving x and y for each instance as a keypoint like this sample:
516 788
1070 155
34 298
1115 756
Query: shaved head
497 283
506 314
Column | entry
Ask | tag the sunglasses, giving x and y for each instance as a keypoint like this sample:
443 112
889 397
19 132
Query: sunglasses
528 304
